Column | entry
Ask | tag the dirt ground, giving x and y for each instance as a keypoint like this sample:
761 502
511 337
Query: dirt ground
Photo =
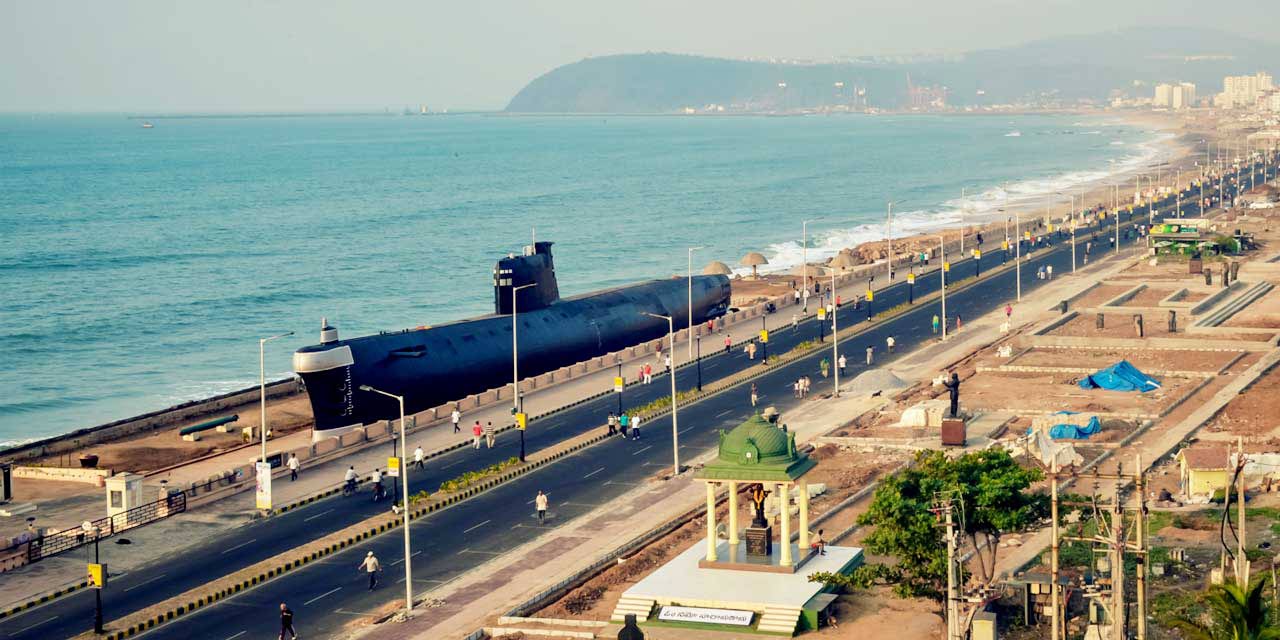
1144 359
1058 392
1100 294
1254 413
1120 324
1263 313
1150 297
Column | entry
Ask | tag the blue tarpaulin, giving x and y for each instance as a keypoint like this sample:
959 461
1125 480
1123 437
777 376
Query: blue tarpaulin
1073 431
1120 376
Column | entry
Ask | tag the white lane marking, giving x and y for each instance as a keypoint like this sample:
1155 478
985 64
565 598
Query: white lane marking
25 629
318 515
469 550
640 451
242 544
553 426
685 429
593 473
144 582
588 505
724 413
629 484
392 564
237 635
477 526
330 592
453 464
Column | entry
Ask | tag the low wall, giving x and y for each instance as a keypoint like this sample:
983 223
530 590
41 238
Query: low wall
65 474
77 440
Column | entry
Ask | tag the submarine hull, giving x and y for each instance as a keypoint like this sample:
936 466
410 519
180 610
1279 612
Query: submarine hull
436 365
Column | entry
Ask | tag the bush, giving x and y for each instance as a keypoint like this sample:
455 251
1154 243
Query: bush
471 477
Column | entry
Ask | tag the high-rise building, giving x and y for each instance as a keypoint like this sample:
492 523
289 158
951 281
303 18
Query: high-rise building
1244 91
1164 96
1188 91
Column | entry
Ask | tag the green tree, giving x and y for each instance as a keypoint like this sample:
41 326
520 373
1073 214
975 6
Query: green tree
994 490
1235 613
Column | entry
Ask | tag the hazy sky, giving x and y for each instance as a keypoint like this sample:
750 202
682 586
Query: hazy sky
133 55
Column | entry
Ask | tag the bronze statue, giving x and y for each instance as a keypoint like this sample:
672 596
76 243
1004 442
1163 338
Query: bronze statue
757 498
953 389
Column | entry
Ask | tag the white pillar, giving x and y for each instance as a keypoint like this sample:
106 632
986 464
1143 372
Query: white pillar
804 517
784 514
733 514
711 521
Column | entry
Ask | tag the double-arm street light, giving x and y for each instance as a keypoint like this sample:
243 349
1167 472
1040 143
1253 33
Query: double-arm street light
835 337
262 386
804 266
675 429
942 272
690 326
515 364
404 506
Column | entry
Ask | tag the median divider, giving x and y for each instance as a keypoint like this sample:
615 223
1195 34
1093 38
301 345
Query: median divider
43 598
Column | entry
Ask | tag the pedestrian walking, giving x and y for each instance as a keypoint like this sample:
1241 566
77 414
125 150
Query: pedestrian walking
640 375
477 432
456 418
805 383
958 323
1048 270
419 457
623 422
825 366
751 350
635 427
890 342
371 567
841 363
1008 310
349 481
540 503
488 435
795 387
755 397
728 342
612 423
648 373
376 479
797 296
286 621
795 321
294 465
666 361
870 354
935 323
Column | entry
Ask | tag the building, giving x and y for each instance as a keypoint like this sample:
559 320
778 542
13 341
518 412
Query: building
1273 102
1163 97
1203 470
1244 91
1184 96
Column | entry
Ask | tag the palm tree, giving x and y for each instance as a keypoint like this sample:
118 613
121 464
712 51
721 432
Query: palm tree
1234 614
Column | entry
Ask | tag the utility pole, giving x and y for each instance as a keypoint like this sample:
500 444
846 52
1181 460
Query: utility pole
1117 568
1242 562
1054 591
1140 530
943 505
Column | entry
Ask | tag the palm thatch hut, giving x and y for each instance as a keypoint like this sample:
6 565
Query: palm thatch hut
843 261
716 268
754 260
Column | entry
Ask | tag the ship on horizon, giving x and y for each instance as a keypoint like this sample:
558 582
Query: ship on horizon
432 366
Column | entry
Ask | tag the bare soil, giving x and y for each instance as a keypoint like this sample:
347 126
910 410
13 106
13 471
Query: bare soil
1263 313
1150 297
1120 324
1144 359
1100 294
1256 412
1059 392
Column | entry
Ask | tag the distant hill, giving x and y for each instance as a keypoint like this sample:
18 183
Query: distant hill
1070 68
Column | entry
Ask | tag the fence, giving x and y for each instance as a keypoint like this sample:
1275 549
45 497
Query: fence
68 539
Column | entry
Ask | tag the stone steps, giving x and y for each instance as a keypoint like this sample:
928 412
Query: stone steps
641 607
1224 313
779 620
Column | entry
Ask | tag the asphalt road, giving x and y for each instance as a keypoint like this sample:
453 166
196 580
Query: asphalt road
331 593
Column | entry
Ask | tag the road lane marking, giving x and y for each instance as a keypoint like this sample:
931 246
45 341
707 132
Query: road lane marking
629 484
402 559
247 542
588 505
469 550
453 464
477 526
642 450
318 515
685 429
237 635
593 473
144 582
724 413
553 426
330 592
26 629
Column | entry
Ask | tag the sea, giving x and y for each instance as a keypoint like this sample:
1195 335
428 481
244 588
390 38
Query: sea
139 266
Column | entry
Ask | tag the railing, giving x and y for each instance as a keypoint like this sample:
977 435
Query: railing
68 539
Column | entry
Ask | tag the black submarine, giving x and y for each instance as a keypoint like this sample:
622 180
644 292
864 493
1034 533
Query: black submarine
432 366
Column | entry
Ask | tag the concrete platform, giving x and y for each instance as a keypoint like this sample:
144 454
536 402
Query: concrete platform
681 581
735 558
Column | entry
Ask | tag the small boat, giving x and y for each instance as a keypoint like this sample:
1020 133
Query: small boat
148 125
1013 134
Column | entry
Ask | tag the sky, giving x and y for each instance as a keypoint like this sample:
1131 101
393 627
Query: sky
143 56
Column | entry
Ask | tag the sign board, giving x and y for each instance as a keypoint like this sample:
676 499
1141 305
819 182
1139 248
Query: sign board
522 421
911 278
97 575
977 254
764 335
1026 235
822 313
871 295
618 384
734 617
1005 245
263 495
393 467
946 266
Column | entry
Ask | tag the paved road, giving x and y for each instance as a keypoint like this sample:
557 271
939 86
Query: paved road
332 592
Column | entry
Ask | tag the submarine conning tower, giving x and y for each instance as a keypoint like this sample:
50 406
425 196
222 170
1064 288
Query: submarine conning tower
536 267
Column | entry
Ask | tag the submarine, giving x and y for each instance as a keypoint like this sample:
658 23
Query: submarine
436 365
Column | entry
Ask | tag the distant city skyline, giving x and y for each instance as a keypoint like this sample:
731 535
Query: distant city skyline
285 55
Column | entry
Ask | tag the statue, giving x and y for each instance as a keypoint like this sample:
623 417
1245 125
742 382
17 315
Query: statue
953 389
629 629
757 498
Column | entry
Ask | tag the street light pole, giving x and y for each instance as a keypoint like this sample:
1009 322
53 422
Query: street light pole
1017 253
404 506
888 234
515 362
942 251
835 340
262 386
804 266
691 250
675 428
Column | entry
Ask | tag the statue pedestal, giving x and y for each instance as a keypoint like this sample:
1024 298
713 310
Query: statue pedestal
759 541
953 432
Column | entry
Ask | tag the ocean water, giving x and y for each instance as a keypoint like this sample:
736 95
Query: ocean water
139 266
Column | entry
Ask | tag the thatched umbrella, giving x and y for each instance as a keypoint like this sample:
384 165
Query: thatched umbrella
814 271
754 260
843 261
717 268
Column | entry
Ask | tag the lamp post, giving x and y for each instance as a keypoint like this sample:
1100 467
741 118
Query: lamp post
262 386
675 429
690 325
515 362
1017 253
404 511
888 234
835 340
804 266
942 250
698 359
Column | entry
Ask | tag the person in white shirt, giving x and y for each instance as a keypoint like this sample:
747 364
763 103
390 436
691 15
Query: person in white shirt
349 481
371 567
891 343
841 363
294 465
376 478
456 417
419 456
666 360
635 427
540 503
